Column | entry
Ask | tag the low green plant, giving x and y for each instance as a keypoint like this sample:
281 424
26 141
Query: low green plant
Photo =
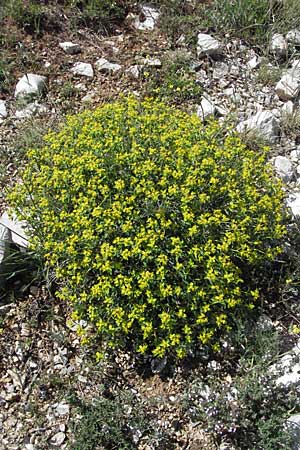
181 18
287 16
98 14
118 422
268 75
247 408
175 82
248 19
152 222
290 124
175 86
27 15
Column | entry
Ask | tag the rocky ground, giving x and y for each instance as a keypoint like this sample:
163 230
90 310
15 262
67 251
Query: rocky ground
44 370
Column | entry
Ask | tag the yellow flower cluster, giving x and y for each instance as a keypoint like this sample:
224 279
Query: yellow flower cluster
151 221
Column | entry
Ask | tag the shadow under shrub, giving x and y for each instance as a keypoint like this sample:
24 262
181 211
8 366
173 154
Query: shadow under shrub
150 220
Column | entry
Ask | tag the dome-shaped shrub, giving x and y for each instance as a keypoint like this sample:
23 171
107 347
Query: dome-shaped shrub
151 220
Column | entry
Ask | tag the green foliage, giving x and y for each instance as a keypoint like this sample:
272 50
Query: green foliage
248 19
249 409
181 17
268 75
152 222
98 14
27 15
290 124
174 86
288 16
115 423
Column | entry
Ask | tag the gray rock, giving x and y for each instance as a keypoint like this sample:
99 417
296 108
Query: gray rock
234 96
221 70
254 62
31 110
287 108
263 122
293 37
70 48
134 71
293 202
4 309
3 110
295 155
288 367
103 65
284 168
147 19
30 447
226 446
88 98
296 64
17 229
83 69
62 409
58 439
288 87
208 45
5 240
293 427
30 84
151 62
278 46
206 109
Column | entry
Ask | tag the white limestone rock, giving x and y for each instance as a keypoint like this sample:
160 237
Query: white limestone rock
292 426
234 96
58 439
284 168
103 65
70 48
88 98
5 239
62 409
293 202
3 110
30 84
288 367
221 110
221 70
287 108
293 37
151 62
226 446
208 45
295 155
279 46
147 19
30 110
206 109
263 122
288 87
254 62
83 69
19 235
134 71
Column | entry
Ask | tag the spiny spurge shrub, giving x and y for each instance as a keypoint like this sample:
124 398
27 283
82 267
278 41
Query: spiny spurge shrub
151 220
